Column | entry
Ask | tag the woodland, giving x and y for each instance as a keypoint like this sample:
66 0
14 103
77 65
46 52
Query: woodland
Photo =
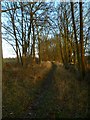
49 78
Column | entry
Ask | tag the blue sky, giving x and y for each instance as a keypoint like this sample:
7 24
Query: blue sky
7 49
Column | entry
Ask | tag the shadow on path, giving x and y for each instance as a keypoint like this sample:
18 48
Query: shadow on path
39 109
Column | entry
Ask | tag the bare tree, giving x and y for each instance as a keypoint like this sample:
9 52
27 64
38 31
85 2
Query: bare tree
75 35
81 41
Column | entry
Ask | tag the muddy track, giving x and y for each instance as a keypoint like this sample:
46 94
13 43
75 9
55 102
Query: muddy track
45 86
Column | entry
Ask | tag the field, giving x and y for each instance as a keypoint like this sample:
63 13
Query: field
43 90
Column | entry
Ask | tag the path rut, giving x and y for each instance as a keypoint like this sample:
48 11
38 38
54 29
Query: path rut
46 86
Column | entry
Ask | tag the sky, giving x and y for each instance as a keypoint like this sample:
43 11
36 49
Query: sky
7 49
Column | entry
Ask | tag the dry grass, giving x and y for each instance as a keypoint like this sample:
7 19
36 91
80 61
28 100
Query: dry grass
67 96
19 87
72 94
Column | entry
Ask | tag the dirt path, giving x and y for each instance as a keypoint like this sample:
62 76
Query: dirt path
44 103
59 96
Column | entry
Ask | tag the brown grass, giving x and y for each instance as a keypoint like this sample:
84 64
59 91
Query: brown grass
72 94
19 87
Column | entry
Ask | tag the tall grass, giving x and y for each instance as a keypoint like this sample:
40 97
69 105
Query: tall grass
72 94
19 87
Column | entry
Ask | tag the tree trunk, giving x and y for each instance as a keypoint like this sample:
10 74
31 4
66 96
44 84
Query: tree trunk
61 50
81 41
33 41
39 48
21 61
16 40
17 51
75 35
